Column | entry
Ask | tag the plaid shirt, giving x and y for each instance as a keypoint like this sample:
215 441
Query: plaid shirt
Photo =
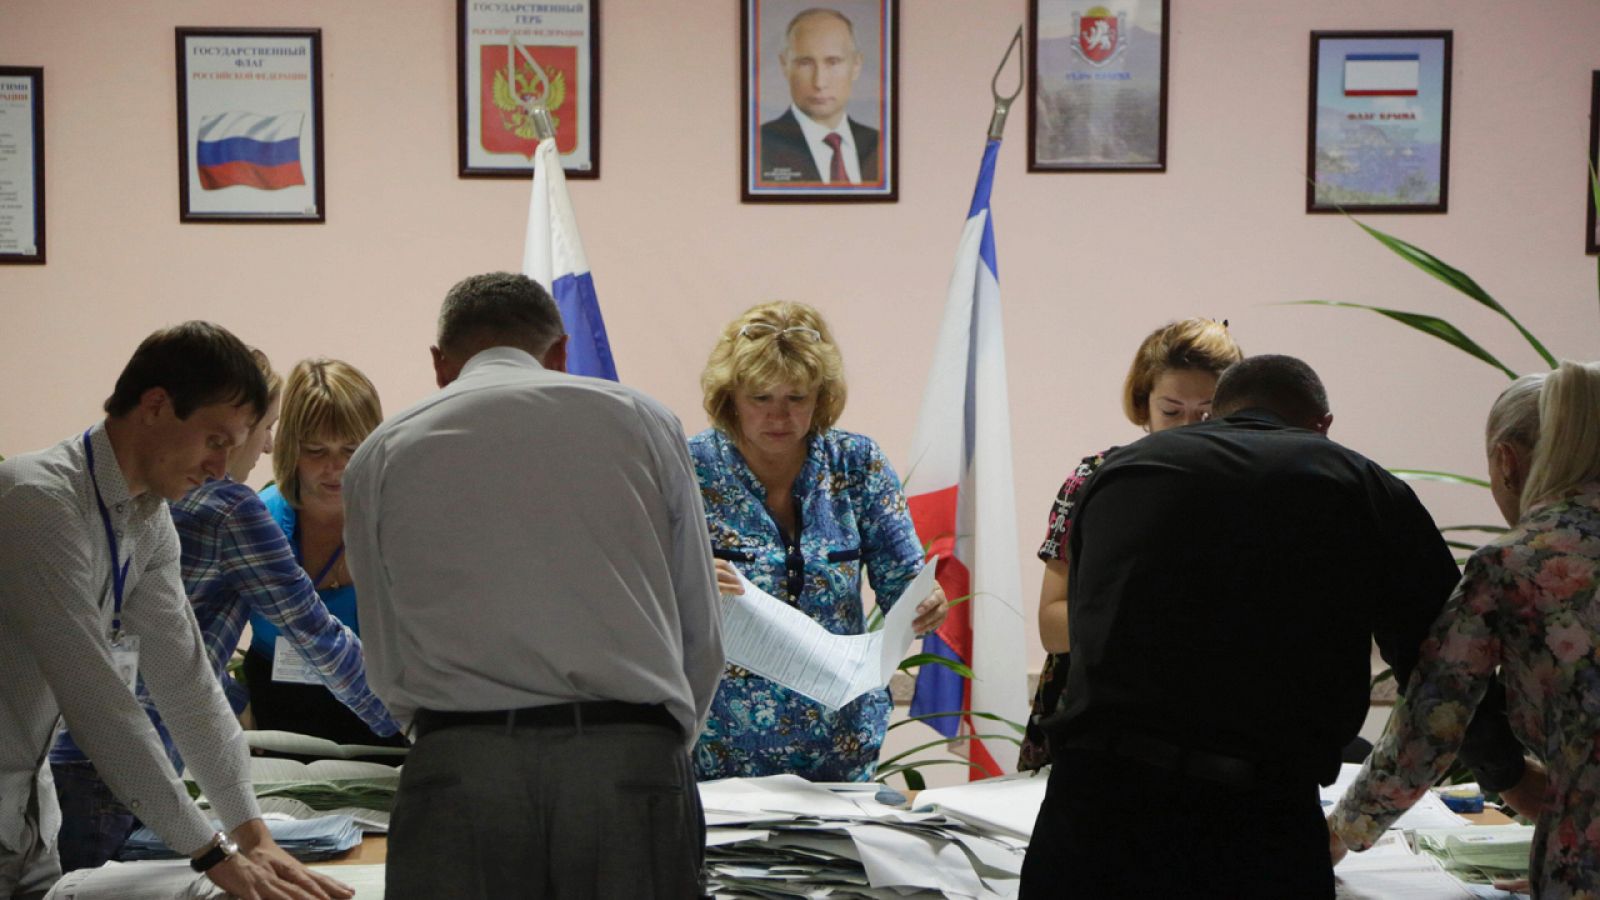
235 559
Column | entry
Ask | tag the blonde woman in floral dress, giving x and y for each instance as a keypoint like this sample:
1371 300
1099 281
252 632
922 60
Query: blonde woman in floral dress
1528 604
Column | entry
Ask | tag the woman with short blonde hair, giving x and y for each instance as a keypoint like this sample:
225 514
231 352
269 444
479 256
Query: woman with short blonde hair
799 507
329 408
1170 383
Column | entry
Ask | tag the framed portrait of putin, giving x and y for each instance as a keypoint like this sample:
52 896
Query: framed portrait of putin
819 101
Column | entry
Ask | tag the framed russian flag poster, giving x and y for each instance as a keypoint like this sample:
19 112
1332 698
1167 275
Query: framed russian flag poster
250 125
512 57
1378 130
21 165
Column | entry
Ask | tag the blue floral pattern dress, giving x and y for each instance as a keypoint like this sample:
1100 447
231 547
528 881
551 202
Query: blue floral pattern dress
1528 603
850 513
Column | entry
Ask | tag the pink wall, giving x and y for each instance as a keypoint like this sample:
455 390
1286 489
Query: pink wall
1089 263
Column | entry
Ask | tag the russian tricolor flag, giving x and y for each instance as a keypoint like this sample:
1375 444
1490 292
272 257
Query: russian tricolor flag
962 501
552 255
1382 74
247 150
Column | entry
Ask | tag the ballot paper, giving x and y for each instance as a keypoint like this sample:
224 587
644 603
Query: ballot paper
781 643
327 784
1391 870
322 837
1482 853
288 743
370 821
174 880
1006 805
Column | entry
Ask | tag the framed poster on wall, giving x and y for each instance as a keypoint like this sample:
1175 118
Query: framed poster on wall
1378 128
508 54
818 101
1097 98
21 165
250 125
1593 239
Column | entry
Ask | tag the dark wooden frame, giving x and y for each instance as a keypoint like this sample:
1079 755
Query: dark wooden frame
319 189
463 96
1592 240
36 75
1034 165
1444 130
888 96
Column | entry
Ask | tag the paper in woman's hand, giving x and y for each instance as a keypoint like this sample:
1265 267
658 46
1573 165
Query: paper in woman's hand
776 641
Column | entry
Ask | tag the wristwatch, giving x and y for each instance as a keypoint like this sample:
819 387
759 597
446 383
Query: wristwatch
221 849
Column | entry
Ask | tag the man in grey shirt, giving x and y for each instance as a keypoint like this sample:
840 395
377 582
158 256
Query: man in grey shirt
537 599
90 595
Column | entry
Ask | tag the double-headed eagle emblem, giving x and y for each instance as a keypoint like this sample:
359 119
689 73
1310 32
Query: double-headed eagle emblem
514 100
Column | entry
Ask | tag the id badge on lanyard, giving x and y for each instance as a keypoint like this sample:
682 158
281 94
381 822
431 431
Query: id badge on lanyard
124 647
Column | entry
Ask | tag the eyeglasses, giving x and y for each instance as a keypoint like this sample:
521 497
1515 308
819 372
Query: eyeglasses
762 329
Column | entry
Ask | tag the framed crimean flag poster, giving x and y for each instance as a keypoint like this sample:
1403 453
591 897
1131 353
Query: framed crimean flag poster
511 55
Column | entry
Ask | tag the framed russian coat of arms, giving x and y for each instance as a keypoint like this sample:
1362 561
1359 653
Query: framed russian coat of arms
510 55
1097 98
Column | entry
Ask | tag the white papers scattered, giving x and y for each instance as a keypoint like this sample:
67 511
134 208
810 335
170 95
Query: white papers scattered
1006 805
1389 870
810 840
781 643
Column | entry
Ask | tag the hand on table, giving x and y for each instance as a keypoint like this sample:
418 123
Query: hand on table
728 579
931 612
264 871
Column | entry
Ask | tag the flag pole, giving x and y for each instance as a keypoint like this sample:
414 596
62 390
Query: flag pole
1002 104
539 114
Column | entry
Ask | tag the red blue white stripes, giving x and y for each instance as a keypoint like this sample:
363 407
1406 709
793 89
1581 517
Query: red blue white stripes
239 149
960 490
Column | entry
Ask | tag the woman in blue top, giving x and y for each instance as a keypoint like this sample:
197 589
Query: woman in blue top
329 408
799 507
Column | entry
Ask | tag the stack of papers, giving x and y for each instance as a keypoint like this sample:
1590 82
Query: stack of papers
327 784
311 839
174 880
1391 870
1481 853
308 748
783 836
370 821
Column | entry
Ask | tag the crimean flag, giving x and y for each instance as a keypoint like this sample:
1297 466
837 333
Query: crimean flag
959 488
239 149
552 255
1382 74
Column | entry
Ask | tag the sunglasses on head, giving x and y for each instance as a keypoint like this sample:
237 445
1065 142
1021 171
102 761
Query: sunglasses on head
799 332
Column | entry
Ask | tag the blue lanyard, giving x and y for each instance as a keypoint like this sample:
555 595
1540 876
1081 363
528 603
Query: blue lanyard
119 574
332 560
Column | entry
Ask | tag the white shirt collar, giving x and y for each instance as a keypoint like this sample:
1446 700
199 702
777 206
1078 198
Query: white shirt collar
501 354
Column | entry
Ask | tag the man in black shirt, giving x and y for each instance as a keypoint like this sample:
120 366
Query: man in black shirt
1226 582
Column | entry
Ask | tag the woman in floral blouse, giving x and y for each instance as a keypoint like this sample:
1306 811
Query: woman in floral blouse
1170 383
1528 605
799 507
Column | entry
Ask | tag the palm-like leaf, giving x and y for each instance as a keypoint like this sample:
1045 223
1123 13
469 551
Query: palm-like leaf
1442 477
1430 325
1457 279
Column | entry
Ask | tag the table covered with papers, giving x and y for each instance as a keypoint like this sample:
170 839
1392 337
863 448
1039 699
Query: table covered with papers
782 836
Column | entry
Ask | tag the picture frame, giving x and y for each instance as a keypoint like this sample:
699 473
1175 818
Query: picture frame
494 135
22 234
838 141
1378 122
250 146
1097 85
1592 240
